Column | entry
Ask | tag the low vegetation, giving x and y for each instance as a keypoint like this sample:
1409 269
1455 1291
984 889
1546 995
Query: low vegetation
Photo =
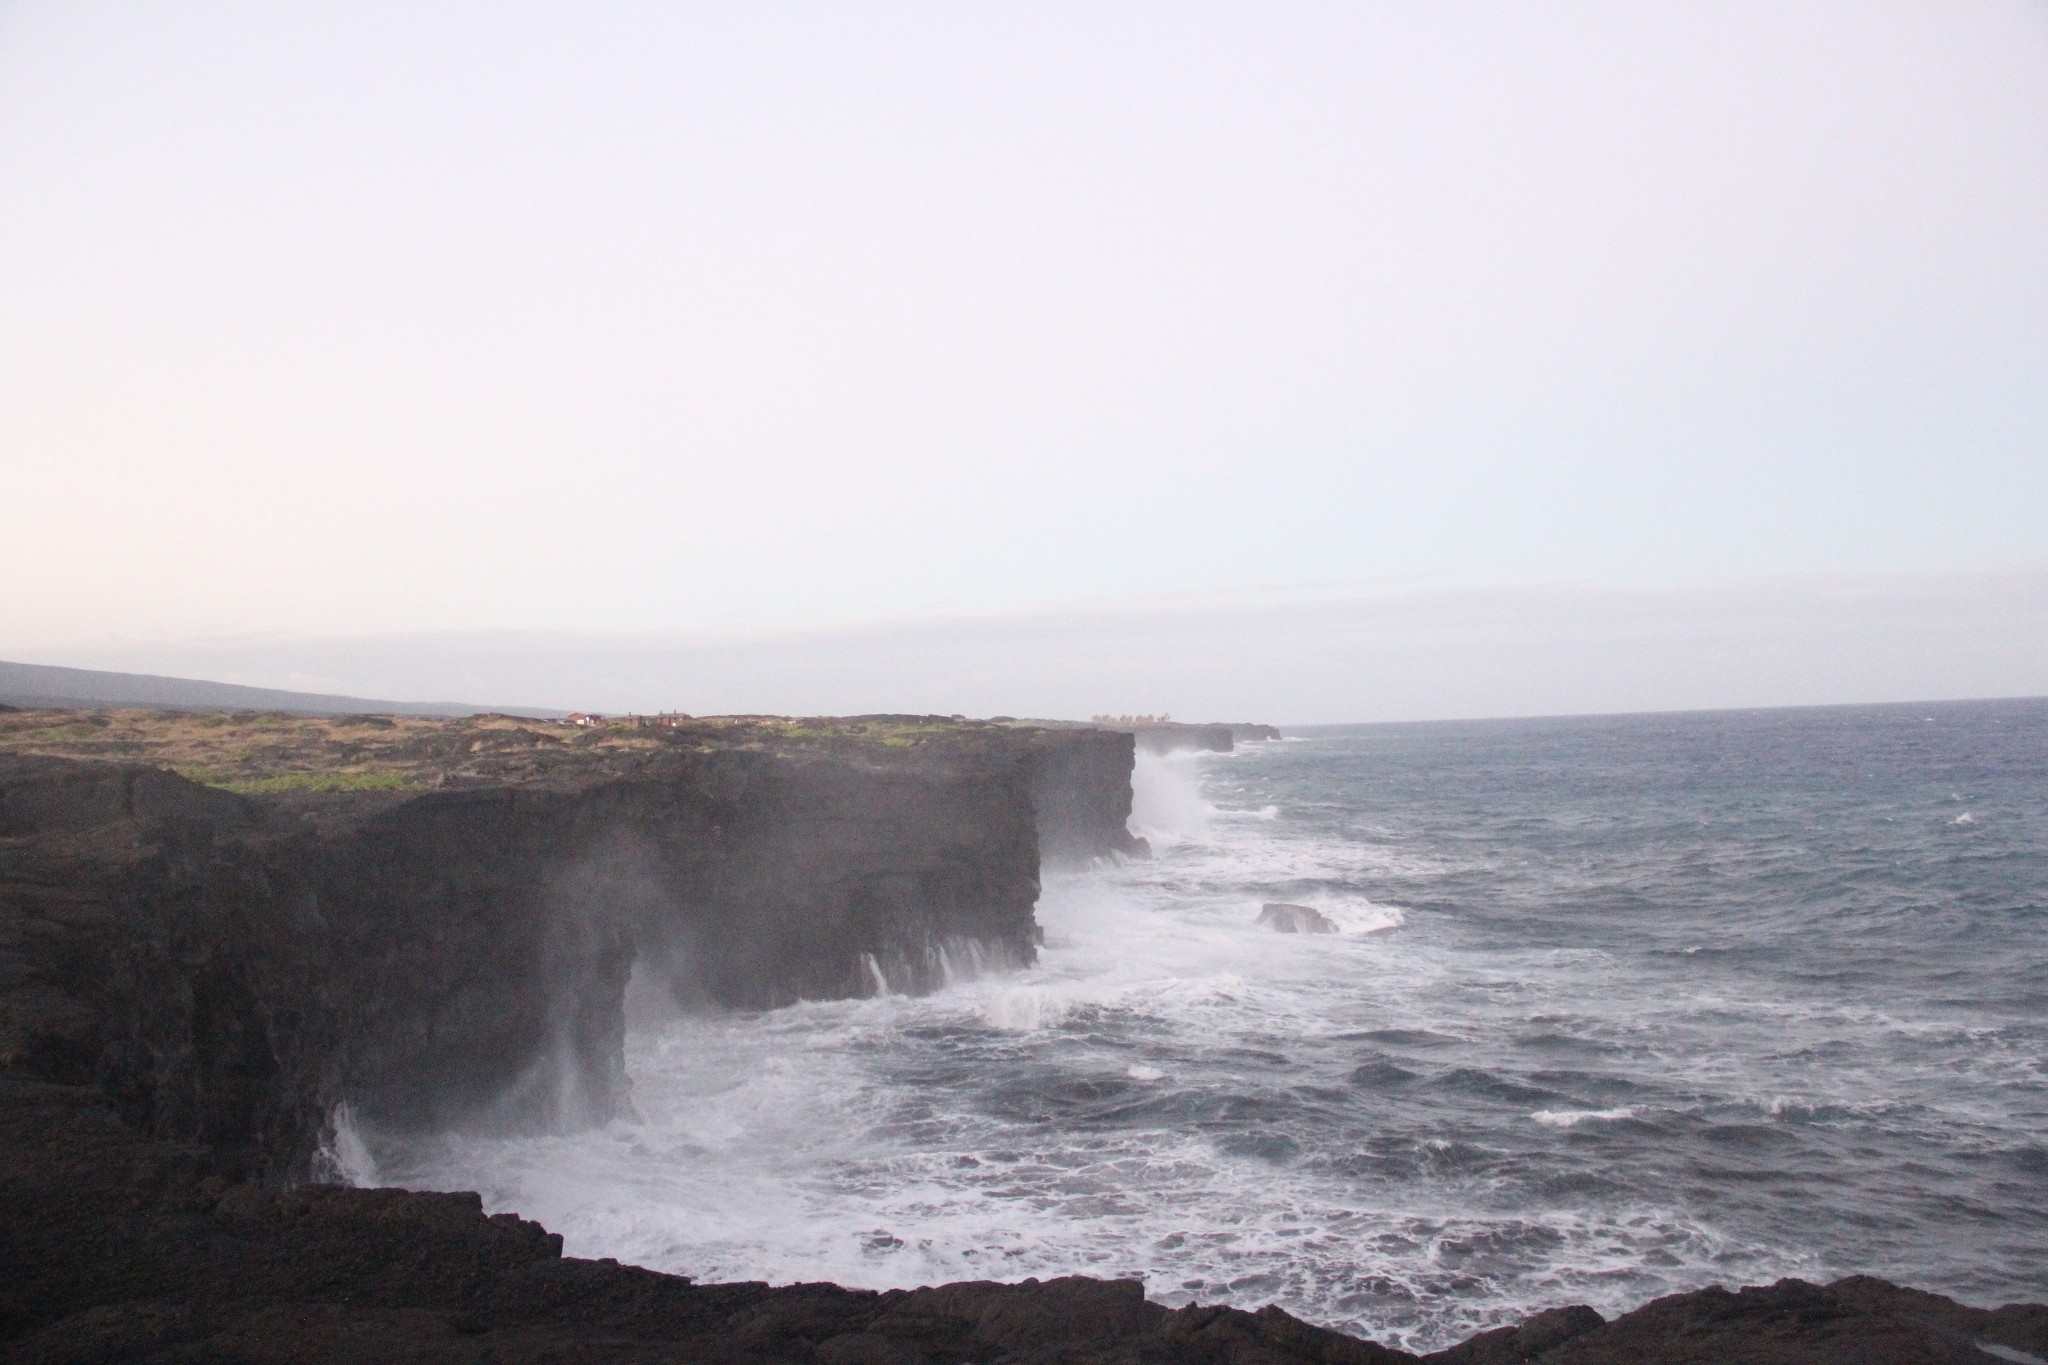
273 753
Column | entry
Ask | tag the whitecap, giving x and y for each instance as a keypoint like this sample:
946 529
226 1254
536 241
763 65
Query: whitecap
1572 1118
1365 917
1026 1009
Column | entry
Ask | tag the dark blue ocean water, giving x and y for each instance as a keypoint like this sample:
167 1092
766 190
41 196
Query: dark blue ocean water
1620 1006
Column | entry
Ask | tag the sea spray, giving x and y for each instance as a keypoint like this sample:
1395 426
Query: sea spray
344 1158
1167 803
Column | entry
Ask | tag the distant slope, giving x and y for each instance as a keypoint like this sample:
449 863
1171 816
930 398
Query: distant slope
45 685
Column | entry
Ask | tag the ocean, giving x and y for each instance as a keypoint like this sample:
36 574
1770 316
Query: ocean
1617 1007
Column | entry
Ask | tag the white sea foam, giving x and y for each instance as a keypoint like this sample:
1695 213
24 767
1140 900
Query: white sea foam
1364 917
344 1158
1024 1008
1167 804
1572 1118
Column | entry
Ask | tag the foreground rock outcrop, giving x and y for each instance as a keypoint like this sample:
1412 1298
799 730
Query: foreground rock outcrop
116 1249
112 1249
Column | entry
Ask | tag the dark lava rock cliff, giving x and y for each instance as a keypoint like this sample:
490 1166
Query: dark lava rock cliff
455 945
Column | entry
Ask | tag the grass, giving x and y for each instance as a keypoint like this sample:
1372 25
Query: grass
258 753
302 782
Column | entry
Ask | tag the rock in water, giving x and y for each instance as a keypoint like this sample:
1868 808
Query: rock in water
1283 918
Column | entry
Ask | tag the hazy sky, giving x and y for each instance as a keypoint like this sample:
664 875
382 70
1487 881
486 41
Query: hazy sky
1416 655
368 320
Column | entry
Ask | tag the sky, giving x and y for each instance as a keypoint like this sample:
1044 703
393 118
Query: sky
1008 357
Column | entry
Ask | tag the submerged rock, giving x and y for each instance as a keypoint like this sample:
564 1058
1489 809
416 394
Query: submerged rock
1283 918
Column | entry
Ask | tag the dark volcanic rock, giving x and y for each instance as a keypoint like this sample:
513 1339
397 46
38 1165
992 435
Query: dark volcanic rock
229 969
1246 732
1527 1340
118 1249
113 1249
1856 1321
1283 918
1081 795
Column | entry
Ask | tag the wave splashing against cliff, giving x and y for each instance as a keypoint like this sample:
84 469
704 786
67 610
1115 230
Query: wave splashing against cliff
1614 1008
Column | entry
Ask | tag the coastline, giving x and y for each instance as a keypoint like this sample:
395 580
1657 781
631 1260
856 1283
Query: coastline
202 967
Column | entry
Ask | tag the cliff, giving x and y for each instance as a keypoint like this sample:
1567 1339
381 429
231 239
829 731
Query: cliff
440 929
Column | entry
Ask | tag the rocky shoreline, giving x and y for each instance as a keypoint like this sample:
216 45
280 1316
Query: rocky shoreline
214 932
119 1249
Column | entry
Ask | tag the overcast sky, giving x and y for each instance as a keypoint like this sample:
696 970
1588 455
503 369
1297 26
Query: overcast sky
777 324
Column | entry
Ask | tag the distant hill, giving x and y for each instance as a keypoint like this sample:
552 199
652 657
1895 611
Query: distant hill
45 685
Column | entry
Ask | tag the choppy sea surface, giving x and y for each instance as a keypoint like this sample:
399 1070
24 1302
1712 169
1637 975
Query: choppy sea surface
1619 1007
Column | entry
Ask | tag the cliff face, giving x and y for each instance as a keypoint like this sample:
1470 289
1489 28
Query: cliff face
230 968
1081 795
227 976
756 882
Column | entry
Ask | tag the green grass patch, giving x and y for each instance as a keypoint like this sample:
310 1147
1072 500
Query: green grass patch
77 729
302 782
